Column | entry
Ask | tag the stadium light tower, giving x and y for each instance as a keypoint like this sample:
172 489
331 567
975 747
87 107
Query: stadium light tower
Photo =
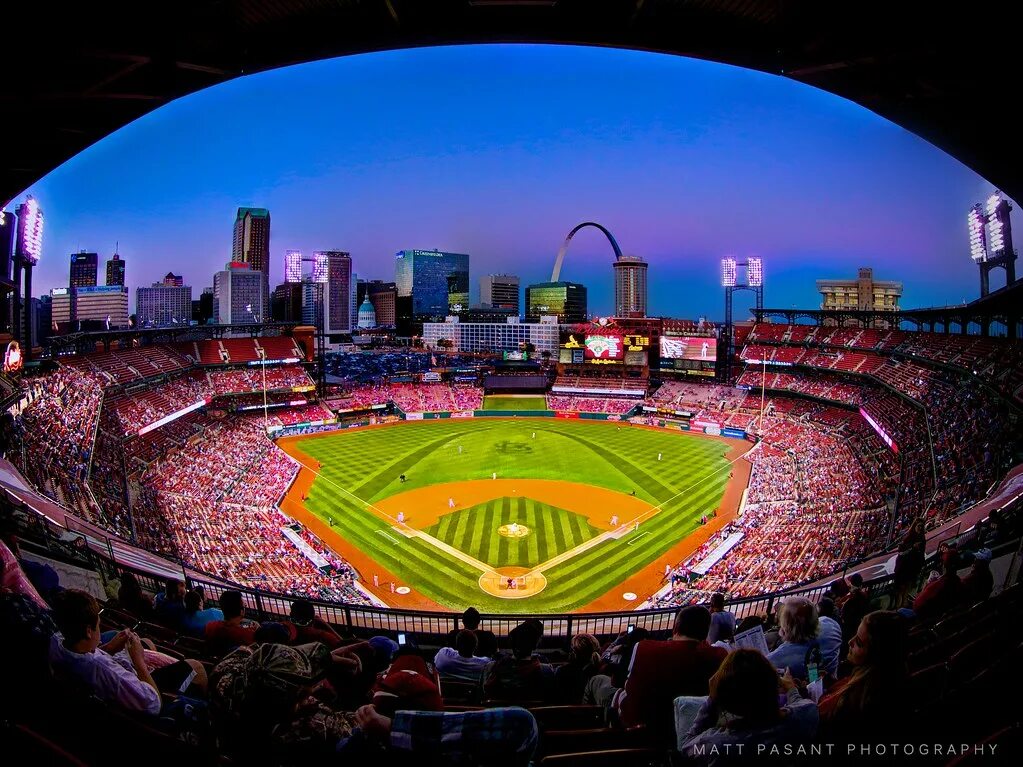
990 230
28 249
730 281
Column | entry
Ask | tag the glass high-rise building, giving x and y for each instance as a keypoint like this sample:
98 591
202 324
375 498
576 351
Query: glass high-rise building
630 287
252 245
115 270
83 270
435 282
499 291
566 300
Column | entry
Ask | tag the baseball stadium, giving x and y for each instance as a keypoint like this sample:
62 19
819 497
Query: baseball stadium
359 521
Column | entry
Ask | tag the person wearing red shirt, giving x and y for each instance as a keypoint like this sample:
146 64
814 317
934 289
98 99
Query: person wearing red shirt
940 595
235 629
661 671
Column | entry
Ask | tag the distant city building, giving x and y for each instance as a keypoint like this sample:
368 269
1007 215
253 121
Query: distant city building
172 280
115 270
499 291
83 270
862 294
99 306
202 307
238 295
437 282
41 318
483 314
312 303
630 287
163 304
252 246
367 314
286 303
474 337
382 295
60 309
293 266
338 293
566 300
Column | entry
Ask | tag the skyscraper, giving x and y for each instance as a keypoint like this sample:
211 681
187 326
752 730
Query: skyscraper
286 302
566 300
172 280
630 287
163 304
435 281
499 291
382 296
293 266
338 296
238 295
115 270
252 246
83 270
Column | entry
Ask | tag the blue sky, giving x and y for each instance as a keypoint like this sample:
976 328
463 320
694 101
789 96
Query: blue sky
498 151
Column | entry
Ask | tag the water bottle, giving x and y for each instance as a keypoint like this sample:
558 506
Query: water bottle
814 660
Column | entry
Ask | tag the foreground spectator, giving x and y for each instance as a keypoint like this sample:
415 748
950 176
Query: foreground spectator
909 563
979 582
943 593
309 628
197 615
854 607
117 672
871 699
169 608
131 598
460 662
830 635
660 672
798 627
520 676
583 663
722 622
742 712
235 630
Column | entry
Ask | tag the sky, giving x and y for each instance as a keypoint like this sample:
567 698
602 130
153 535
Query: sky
499 151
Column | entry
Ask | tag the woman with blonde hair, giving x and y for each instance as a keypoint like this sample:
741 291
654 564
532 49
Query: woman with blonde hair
583 662
798 627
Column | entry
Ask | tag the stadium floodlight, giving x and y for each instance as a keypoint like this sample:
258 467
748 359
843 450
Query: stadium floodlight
997 220
728 272
293 266
30 230
755 272
320 267
978 237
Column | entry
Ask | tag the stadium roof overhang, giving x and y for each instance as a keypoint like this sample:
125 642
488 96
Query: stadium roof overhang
76 72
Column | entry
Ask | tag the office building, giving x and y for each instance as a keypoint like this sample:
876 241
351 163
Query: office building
252 246
338 293
172 280
475 337
862 294
163 304
630 287
202 307
436 282
499 291
115 270
99 307
83 270
286 302
238 295
382 295
312 304
565 300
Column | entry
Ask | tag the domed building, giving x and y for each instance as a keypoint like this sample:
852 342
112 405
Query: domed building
367 314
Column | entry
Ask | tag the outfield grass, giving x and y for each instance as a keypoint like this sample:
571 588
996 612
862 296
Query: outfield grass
360 466
552 531
513 402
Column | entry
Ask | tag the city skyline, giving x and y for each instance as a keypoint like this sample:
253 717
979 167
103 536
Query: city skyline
744 163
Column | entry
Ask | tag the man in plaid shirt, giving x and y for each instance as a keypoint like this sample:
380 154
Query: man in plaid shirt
495 736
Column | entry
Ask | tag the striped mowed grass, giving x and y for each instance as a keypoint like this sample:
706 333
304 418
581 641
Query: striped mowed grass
552 531
359 467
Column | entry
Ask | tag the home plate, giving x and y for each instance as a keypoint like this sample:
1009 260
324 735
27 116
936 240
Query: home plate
405 590
628 596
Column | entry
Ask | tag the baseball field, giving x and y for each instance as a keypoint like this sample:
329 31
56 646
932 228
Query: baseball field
576 513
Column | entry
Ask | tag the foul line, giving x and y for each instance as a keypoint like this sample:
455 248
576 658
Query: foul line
388 537
637 537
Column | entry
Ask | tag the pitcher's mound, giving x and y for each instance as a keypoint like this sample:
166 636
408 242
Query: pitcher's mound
512 582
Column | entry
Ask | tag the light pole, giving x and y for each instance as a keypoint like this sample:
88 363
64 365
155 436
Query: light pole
261 353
